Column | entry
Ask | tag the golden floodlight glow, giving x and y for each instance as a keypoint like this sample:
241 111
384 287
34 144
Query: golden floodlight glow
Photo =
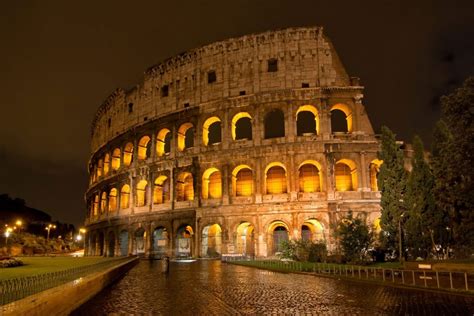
113 200
116 159
143 147
161 190
211 184
347 112
125 197
205 128
128 154
106 164
275 178
346 175
182 135
141 192
313 110
374 171
103 202
160 141
242 181
310 178
185 187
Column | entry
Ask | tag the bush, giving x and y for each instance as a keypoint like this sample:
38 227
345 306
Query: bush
10 263
304 250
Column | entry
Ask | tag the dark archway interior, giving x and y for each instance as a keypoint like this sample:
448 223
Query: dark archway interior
338 121
305 123
215 134
243 129
275 124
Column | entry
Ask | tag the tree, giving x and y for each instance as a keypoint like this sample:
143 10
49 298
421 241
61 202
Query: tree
423 221
453 150
354 237
392 184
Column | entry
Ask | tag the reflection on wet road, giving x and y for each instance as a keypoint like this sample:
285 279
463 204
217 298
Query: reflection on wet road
215 288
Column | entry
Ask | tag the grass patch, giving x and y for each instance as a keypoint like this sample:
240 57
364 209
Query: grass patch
40 265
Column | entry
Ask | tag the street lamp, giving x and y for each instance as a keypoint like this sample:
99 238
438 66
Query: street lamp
48 228
82 231
7 234
400 237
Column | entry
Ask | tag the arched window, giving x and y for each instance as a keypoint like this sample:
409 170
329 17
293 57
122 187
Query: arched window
346 175
106 164
113 200
144 146
163 142
116 159
100 166
341 118
103 202
125 197
307 120
211 131
374 169
161 191
276 180
211 184
185 187
96 205
274 124
309 178
128 154
185 136
242 179
242 126
141 193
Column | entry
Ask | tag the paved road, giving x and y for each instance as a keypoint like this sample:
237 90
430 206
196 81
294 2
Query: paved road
214 288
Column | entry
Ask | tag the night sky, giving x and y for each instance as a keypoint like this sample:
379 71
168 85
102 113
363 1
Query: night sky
59 60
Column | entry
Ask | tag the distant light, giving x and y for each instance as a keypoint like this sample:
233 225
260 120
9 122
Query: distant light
79 237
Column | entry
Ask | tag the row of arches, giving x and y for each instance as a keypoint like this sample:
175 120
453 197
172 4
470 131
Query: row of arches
163 242
310 180
307 119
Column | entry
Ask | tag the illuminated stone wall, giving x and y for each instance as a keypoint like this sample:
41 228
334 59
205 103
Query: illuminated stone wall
231 148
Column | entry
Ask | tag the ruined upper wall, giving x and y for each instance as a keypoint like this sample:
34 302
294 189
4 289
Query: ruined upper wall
304 55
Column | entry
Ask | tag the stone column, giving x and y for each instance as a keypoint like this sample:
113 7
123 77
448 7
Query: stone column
362 175
290 130
225 184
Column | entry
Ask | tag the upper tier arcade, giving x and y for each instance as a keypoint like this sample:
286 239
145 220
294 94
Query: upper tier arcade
294 63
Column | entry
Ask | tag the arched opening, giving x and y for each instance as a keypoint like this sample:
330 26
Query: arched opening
212 184
341 118
242 181
274 124
275 179
144 147
141 193
185 187
163 142
160 242
125 197
96 205
123 243
161 190
103 202
185 136
128 154
100 166
184 241
279 235
374 170
242 126
211 241
116 159
312 230
346 175
106 164
245 242
309 177
111 244
140 235
113 200
100 244
211 131
307 120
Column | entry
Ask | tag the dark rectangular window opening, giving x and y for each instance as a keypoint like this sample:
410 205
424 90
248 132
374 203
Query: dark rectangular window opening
273 65
305 85
186 105
130 108
211 76
109 122
145 118
242 92
165 91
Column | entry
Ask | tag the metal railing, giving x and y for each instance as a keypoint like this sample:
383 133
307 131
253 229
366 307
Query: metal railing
447 280
18 288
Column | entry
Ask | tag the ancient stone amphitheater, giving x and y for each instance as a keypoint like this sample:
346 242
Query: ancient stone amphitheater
231 148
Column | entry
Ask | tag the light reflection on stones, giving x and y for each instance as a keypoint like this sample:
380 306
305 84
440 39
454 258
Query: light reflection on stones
214 288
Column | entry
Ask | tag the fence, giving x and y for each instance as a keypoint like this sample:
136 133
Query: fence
447 280
18 288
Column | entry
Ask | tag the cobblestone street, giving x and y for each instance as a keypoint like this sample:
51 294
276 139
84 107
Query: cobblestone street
214 288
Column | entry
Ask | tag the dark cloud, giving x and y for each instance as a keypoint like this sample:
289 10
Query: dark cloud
59 60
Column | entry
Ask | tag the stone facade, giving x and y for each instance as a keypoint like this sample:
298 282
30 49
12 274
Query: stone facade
210 155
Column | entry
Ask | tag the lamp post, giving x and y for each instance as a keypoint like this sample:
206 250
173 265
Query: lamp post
7 234
19 224
79 237
48 228
400 247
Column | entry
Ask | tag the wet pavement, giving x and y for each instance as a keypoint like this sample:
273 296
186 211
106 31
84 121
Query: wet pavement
215 288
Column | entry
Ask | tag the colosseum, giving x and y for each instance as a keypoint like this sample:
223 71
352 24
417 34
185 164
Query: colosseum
231 148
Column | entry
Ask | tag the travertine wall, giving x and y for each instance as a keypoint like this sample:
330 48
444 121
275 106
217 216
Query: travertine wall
308 73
